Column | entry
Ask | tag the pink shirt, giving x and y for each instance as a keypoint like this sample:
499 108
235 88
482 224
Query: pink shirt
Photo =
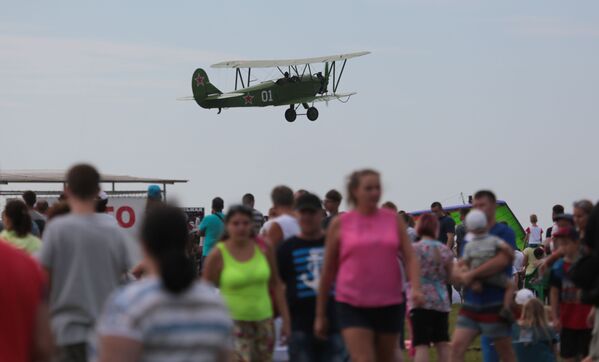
369 273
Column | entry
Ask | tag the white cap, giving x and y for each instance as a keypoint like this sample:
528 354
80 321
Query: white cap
475 220
523 296
103 195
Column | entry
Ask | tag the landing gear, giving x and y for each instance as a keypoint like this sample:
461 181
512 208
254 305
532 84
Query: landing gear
312 114
290 114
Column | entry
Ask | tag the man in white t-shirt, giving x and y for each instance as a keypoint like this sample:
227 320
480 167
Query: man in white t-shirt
518 267
555 212
285 225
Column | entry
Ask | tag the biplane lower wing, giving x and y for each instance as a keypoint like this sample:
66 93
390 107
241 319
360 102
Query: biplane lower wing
223 96
211 97
323 98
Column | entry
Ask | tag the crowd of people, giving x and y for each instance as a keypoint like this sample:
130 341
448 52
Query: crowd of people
331 285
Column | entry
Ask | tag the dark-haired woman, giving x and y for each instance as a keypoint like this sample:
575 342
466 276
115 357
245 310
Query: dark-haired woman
243 273
168 316
361 258
17 227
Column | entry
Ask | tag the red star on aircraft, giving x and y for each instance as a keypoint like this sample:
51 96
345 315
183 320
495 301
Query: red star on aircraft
249 99
199 80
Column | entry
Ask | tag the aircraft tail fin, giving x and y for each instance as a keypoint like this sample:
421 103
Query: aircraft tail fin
201 86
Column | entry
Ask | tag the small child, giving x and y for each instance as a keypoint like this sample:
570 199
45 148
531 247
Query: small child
569 313
482 247
534 339
533 324
534 234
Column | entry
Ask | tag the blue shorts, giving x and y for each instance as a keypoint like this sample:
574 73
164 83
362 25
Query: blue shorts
490 329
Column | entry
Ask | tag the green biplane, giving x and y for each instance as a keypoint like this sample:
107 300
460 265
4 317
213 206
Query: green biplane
293 89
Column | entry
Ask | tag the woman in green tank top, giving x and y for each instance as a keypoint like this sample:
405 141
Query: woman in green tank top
244 275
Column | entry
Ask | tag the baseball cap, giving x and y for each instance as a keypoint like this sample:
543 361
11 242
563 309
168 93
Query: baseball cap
308 202
567 217
566 231
523 296
475 220
154 192
103 196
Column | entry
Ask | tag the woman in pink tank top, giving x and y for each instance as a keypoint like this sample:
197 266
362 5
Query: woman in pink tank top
362 247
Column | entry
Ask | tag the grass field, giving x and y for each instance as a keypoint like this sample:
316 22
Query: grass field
473 355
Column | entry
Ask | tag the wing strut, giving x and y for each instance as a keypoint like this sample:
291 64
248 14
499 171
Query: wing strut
239 76
336 85
304 71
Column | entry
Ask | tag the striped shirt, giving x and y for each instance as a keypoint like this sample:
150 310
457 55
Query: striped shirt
192 326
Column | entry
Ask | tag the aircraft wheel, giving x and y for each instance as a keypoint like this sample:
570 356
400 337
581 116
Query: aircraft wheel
290 115
312 113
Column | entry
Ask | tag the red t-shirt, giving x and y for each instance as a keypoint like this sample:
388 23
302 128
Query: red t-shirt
21 290
573 314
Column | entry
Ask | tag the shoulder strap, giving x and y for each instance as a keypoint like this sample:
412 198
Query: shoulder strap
220 217
223 251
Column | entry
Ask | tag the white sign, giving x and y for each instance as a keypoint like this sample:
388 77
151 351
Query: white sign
128 211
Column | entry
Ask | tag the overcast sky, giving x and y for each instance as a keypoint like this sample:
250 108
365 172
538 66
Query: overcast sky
456 96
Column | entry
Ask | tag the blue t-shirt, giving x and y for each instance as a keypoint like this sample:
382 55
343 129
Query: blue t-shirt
492 296
213 226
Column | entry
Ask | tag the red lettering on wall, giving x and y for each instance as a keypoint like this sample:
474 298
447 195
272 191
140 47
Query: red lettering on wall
130 220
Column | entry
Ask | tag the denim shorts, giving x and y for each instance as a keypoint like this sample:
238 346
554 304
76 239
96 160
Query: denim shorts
304 347
493 330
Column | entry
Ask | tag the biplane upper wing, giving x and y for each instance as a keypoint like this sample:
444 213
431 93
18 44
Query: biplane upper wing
285 62
323 98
